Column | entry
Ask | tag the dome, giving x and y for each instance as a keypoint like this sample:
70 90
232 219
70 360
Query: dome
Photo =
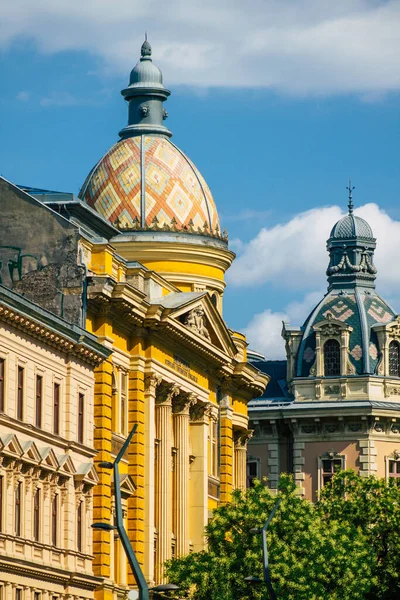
147 182
351 226
359 308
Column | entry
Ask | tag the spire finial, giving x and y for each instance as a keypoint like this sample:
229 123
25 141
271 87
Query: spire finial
146 48
350 188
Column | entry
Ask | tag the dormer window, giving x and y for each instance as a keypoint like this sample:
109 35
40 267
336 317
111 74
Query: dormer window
331 358
394 358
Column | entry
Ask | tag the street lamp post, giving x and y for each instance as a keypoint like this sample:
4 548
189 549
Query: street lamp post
263 531
119 526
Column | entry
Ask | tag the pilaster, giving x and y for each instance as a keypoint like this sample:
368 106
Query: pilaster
163 501
226 449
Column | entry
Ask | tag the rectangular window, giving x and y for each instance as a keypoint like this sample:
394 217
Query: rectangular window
79 515
18 594
394 471
56 408
36 516
39 391
252 472
17 502
329 466
2 376
20 394
123 405
214 448
54 519
81 402
36 596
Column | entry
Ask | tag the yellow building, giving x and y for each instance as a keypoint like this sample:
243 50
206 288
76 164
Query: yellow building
153 259
155 299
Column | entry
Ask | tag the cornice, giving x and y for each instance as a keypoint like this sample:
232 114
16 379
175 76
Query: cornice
80 345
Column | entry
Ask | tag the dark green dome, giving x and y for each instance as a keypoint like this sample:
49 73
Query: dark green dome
351 226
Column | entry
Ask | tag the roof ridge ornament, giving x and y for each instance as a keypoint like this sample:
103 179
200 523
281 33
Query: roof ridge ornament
350 189
145 50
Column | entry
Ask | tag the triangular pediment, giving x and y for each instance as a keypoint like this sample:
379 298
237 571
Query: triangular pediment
87 473
201 318
128 488
11 445
66 464
49 459
31 453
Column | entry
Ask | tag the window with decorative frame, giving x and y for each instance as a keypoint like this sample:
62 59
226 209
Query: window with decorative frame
20 392
123 403
394 358
332 358
54 521
79 526
18 509
38 401
329 464
393 467
36 514
56 407
81 417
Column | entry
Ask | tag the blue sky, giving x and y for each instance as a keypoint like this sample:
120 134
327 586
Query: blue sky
276 109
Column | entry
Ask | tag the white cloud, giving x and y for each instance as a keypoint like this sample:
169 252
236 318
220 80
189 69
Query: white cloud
292 256
23 96
302 47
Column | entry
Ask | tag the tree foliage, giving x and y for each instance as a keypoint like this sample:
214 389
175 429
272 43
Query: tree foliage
314 555
373 506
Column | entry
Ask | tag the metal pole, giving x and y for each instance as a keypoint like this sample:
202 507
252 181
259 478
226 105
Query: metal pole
267 575
130 554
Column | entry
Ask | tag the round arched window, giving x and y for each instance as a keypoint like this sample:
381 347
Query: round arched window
332 357
214 300
394 358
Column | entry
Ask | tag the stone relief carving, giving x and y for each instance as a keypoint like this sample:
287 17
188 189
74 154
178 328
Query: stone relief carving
195 320
242 438
144 110
183 403
332 389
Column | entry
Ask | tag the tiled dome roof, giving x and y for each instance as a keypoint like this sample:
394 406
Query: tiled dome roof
359 308
351 226
146 181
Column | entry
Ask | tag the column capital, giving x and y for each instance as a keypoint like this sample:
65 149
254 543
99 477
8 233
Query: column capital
152 381
183 403
166 393
242 438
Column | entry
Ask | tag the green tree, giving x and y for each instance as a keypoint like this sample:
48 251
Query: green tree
311 557
372 505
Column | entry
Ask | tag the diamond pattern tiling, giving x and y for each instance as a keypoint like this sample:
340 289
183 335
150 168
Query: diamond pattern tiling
173 186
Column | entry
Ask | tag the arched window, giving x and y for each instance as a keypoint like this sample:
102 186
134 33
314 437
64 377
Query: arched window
332 357
394 359
214 299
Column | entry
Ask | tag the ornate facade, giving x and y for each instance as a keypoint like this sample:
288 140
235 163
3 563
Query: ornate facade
47 473
339 401
144 274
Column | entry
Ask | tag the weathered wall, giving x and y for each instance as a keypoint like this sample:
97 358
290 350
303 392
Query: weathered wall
39 254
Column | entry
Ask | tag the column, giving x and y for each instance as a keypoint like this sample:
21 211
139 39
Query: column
152 381
163 512
241 441
181 407
226 449
198 483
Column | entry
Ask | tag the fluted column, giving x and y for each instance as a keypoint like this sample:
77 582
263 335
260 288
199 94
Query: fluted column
181 408
163 512
241 441
152 381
